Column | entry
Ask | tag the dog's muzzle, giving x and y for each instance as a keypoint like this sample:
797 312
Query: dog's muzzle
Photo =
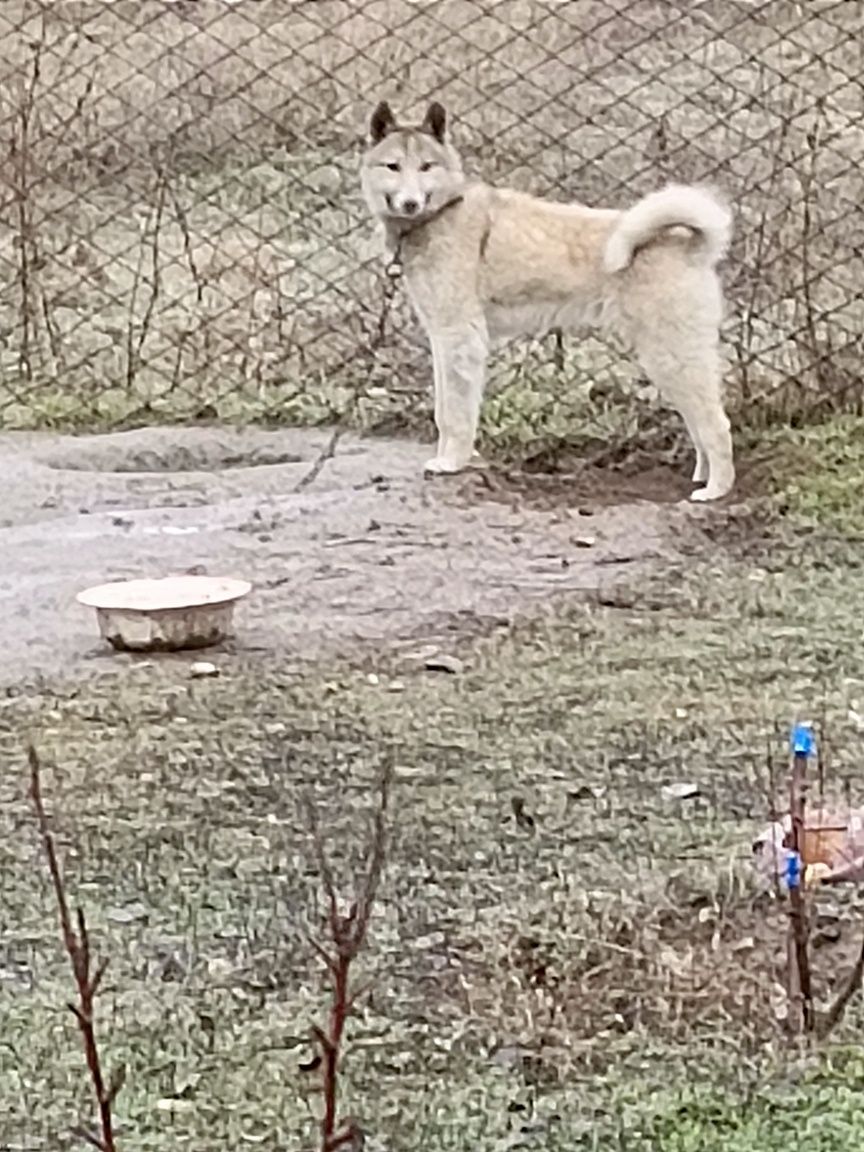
408 209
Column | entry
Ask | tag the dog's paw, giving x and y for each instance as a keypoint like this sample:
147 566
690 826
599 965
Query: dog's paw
444 466
706 495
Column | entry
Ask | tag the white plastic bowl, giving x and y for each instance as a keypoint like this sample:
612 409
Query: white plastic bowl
167 614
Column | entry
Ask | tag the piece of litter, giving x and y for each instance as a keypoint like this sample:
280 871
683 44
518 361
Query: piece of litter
202 668
444 663
832 849
680 791
372 678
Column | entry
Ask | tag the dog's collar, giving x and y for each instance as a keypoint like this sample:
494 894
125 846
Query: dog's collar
409 227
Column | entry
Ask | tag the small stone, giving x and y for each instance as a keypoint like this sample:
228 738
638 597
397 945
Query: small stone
585 541
173 1104
510 1056
423 654
680 791
830 934
373 679
203 668
444 663
172 970
588 792
433 940
616 598
127 914
828 916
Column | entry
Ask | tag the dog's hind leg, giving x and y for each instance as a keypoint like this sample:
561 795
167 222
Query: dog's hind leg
459 357
700 470
686 372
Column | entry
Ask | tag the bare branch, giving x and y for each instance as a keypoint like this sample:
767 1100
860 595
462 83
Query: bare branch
321 860
800 982
77 945
348 935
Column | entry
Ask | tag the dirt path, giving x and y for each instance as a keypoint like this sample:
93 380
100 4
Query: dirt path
365 549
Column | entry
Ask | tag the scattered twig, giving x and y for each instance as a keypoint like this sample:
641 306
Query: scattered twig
347 936
76 941
326 453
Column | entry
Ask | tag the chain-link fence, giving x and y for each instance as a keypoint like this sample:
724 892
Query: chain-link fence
182 234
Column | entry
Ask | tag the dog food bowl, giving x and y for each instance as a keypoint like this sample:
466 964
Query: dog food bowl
165 615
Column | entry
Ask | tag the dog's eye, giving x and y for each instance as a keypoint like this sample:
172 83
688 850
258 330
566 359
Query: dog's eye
393 167
426 166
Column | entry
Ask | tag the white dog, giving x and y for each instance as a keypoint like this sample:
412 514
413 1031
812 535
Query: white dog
482 263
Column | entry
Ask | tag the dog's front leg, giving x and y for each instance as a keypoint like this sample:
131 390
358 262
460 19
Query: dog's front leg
459 357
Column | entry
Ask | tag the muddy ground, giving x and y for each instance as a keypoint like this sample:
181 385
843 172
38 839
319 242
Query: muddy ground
354 547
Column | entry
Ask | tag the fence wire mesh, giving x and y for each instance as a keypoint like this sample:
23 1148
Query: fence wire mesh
182 234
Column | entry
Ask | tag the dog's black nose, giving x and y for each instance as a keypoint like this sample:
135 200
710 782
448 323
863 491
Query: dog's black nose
410 207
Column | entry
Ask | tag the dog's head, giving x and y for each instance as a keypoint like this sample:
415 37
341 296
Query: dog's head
410 172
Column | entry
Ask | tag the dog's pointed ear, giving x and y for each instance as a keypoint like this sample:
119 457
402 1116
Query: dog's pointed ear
382 122
435 121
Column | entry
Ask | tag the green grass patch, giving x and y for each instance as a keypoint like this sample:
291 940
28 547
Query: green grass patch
817 473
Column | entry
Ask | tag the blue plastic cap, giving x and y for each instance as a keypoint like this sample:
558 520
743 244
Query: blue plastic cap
803 741
793 870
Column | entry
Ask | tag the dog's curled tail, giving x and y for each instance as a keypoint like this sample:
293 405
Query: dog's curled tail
676 206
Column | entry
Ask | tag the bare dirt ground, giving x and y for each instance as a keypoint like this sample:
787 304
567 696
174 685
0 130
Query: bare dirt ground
363 549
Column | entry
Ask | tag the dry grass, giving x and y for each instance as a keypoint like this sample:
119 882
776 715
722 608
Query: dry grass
181 234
